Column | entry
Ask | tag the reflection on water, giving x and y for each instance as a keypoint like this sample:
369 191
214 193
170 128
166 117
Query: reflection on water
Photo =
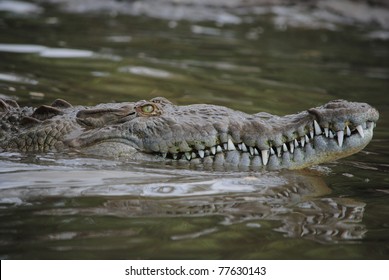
17 79
145 71
320 220
298 205
278 59
20 7
45 51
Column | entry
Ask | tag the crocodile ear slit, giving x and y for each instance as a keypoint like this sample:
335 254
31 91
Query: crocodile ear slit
101 117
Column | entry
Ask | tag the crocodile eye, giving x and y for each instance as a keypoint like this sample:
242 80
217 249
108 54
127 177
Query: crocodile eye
148 109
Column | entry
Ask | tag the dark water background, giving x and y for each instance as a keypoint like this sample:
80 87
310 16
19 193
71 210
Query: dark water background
56 206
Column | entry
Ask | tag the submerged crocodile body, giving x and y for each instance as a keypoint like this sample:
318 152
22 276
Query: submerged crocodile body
200 134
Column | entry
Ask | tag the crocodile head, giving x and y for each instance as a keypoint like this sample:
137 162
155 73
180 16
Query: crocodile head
215 135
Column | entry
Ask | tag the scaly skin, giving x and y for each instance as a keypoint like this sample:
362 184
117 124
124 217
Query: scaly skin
200 134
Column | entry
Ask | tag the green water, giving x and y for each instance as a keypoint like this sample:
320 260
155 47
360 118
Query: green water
63 206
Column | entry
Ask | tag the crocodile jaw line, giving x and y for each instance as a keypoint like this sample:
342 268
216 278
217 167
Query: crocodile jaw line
318 145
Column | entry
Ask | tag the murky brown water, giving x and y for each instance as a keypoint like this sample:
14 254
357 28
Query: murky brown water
61 206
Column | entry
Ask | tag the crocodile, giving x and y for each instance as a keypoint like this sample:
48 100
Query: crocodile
199 134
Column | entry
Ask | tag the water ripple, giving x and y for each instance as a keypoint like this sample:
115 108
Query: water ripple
46 51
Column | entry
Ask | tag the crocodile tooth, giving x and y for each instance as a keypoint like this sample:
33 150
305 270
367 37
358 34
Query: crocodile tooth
311 134
360 131
251 151
174 156
326 131
340 135
244 148
279 151
291 147
240 146
219 149
318 130
284 147
302 141
271 150
213 150
164 155
187 155
331 135
306 139
296 143
348 131
225 146
193 155
265 156
256 151
201 153
230 145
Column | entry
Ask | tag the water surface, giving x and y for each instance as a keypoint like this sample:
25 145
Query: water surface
55 206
